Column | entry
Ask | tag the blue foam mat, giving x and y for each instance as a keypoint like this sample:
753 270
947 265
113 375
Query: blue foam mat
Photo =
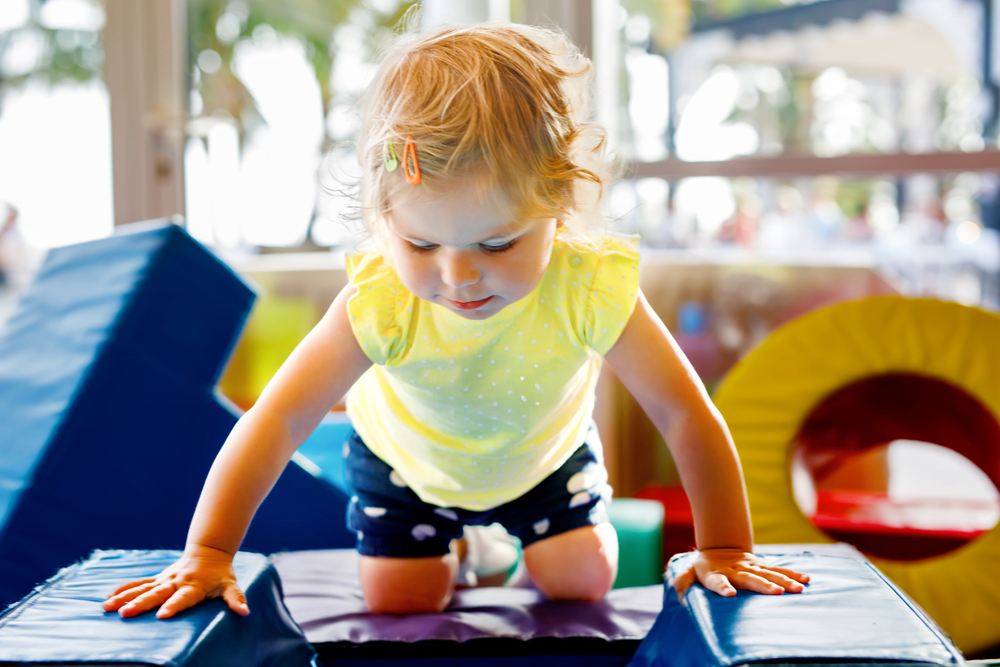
109 420
62 621
323 450
848 614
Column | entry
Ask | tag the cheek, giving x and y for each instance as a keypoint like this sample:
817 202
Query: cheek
524 272
413 270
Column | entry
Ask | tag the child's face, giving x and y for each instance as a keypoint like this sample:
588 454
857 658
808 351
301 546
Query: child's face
473 257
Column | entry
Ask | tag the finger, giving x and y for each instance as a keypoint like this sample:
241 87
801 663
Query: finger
132 584
719 583
183 598
236 600
791 574
756 583
114 602
786 583
683 581
148 600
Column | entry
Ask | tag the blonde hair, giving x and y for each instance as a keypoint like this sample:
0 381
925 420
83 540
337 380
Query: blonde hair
506 104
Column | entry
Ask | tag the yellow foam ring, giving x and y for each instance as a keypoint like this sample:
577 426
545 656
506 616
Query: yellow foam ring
770 393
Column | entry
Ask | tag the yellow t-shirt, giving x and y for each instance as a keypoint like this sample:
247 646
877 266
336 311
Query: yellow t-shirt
473 414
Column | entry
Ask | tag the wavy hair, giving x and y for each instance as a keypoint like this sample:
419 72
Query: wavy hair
506 104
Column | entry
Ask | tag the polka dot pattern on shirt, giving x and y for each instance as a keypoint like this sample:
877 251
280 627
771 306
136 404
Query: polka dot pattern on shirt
481 396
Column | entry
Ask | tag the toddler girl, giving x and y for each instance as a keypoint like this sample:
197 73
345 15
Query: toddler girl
471 342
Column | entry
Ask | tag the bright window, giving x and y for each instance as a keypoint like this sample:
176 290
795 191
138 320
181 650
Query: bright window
55 136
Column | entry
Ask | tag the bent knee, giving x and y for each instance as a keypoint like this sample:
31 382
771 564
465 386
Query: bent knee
578 565
408 585
586 584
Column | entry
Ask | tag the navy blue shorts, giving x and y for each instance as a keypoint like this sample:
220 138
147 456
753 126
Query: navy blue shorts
392 521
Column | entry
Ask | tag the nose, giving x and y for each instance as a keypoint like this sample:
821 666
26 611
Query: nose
459 269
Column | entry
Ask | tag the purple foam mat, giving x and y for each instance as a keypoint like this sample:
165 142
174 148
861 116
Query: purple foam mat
323 594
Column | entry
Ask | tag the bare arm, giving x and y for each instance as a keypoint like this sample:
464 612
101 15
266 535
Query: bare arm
656 372
320 370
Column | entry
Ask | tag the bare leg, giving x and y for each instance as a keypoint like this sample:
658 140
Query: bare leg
578 565
408 585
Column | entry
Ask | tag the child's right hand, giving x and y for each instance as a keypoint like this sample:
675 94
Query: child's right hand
202 572
249 463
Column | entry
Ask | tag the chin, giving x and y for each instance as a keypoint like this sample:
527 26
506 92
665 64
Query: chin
479 317
476 315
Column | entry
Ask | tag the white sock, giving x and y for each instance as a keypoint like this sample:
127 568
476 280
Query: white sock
490 550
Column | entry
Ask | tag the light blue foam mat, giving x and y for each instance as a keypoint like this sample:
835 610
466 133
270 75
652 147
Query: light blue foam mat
849 614
323 450
109 419
62 622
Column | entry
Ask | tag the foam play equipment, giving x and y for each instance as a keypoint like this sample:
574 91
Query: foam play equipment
276 326
492 627
909 529
849 614
639 524
861 374
902 529
62 622
678 521
109 419
323 451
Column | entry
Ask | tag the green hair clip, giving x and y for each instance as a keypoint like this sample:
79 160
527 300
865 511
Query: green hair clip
391 161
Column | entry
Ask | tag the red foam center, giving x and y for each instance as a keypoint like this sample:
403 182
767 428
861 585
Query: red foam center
899 406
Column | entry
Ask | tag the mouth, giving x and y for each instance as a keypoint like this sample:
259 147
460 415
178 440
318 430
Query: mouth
469 305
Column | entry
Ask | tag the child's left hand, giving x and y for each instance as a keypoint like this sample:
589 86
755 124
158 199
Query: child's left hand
725 570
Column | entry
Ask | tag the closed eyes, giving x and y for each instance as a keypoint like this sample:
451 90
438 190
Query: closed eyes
497 249
417 248
487 248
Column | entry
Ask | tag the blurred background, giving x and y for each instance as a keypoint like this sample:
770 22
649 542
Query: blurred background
783 155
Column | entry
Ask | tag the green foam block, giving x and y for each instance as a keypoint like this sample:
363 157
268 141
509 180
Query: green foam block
639 524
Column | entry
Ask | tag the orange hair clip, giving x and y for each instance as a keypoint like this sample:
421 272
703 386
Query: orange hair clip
410 150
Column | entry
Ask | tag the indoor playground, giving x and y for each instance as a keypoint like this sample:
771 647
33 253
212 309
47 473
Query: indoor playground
839 301
111 363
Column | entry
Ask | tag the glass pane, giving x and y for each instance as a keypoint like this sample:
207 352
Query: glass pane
55 134
778 80
720 10
274 90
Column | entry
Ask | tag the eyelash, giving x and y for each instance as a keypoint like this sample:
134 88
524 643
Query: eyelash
420 249
489 250
497 249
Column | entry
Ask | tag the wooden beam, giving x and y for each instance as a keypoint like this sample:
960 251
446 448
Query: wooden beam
810 165
145 71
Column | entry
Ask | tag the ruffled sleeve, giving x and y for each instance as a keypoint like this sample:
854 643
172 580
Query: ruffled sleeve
614 285
375 308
